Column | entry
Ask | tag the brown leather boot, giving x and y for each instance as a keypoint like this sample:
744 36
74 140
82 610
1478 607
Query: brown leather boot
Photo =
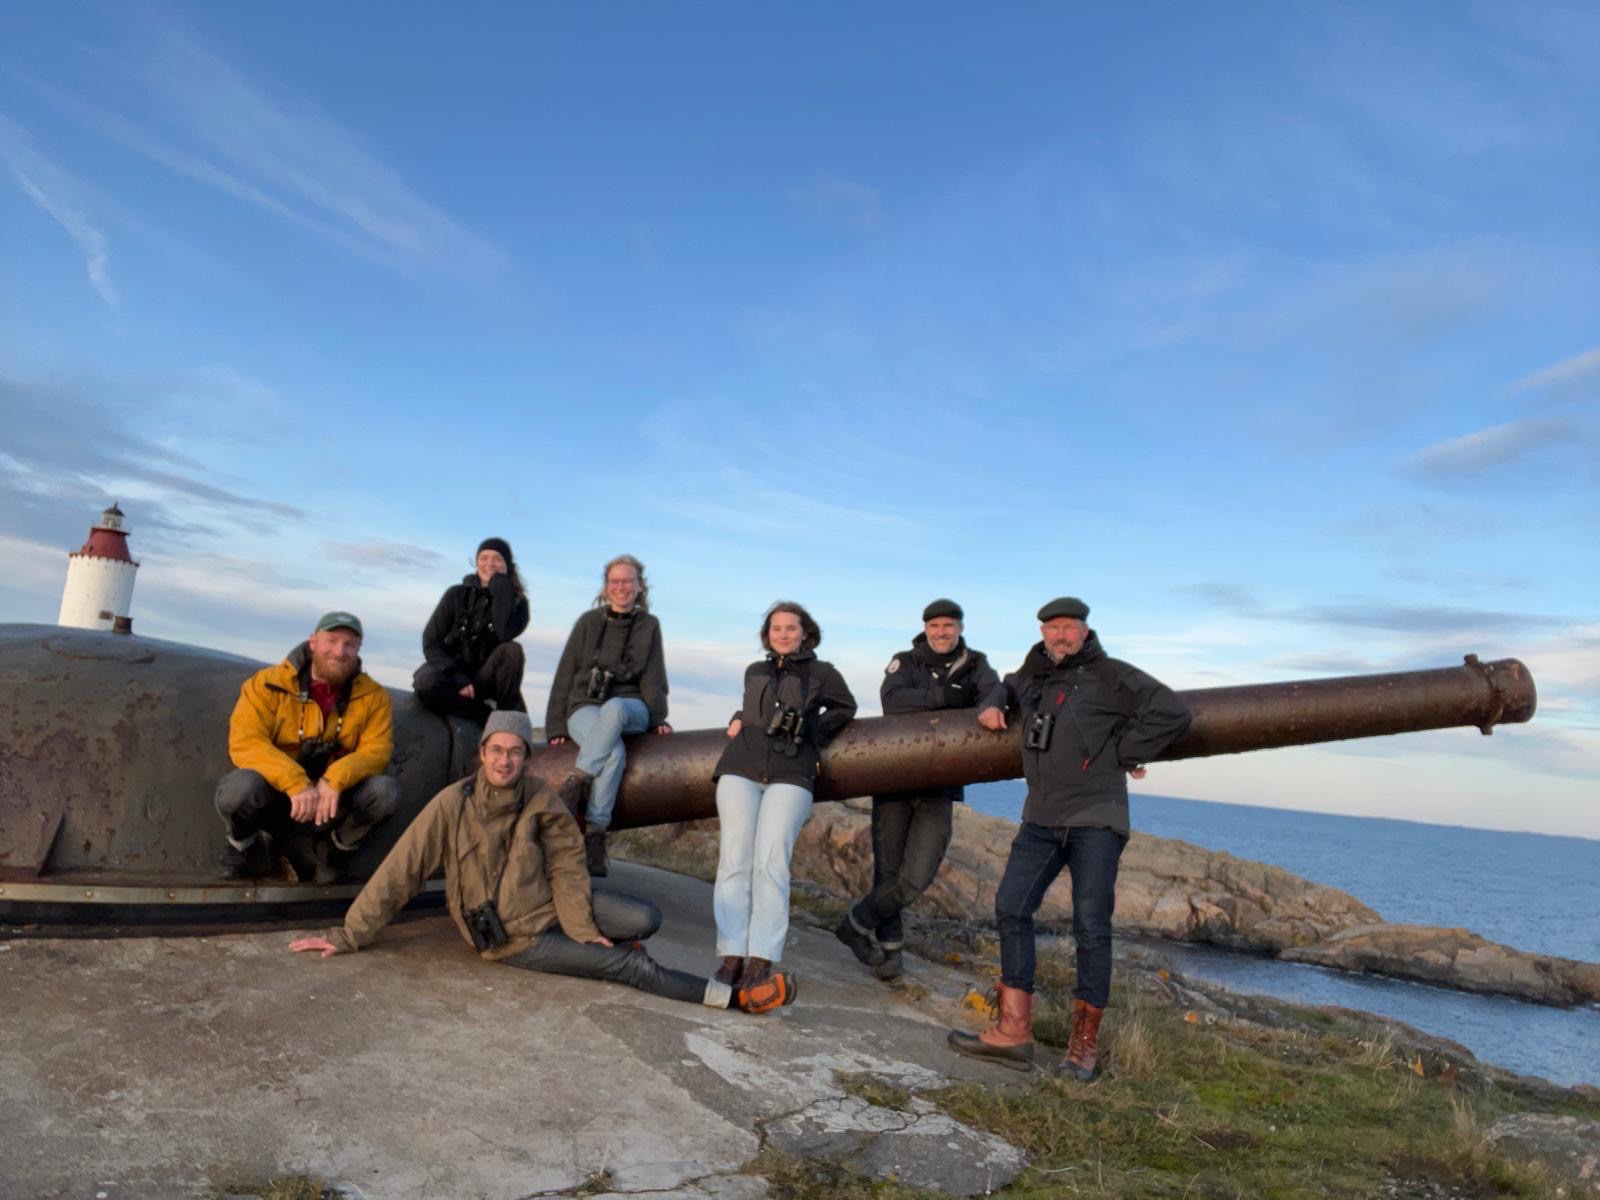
1083 1048
594 849
731 969
574 793
1010 1041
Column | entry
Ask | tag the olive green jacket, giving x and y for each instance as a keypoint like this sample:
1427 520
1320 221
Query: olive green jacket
470 831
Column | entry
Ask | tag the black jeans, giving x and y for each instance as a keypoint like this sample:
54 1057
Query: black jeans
909 837
1091 854
247 803
623 919
498 679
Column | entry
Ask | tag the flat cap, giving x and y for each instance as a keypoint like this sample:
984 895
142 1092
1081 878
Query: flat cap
340 620
1064 606
942 608
505 721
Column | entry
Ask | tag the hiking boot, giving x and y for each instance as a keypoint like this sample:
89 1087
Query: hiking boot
574 793
730 970
308 856
761 990
1009 1042
1083 1048
594 849
253 862
892 967
861 943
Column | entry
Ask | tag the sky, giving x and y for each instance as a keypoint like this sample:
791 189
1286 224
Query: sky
1271 331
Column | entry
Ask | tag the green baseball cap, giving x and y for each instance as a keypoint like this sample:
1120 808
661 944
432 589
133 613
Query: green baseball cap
340 620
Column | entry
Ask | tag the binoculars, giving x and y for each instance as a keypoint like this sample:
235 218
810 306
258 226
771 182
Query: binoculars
784 722
1037 735
484 924
314 756
599 683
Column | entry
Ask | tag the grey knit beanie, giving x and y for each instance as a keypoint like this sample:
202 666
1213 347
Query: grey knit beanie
503 721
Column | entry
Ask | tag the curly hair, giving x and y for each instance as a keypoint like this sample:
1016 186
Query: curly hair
810 631
642 601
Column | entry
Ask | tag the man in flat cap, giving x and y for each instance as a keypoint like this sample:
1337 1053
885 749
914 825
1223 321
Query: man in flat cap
310 739
1088 722
911 830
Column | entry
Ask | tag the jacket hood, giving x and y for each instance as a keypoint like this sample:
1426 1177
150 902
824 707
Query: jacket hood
790 660
921 649
1039 658
298 661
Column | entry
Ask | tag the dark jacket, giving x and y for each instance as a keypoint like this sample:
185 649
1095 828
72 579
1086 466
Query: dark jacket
816 690
626 644
469 621
919 680
1109 718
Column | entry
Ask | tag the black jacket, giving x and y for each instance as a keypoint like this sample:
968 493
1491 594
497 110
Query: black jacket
1109 717
469 621
812 687
919 680
626 644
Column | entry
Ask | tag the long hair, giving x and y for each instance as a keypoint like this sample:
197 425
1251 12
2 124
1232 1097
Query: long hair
511 565
810 631
642 601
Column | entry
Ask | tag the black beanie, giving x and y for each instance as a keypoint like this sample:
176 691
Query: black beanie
499 545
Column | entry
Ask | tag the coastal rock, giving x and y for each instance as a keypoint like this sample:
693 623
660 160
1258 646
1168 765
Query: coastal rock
1567 1147
1456 958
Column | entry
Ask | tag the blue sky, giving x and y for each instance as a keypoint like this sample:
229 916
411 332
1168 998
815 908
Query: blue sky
1271 331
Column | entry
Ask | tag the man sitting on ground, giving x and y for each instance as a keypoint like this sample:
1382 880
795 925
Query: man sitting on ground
310 739
517 886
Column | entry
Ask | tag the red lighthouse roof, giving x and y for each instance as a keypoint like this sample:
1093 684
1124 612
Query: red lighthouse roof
108 539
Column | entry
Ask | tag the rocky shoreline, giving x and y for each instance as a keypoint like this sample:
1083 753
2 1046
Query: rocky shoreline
1174 890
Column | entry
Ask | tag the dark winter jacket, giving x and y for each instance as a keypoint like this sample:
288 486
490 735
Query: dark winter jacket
1109 717
470 620
816 690
626 644
919 680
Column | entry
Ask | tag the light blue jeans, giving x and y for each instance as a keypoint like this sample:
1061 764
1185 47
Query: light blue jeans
598 729
751 899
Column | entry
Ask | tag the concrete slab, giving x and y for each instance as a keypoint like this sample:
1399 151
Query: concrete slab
161 1067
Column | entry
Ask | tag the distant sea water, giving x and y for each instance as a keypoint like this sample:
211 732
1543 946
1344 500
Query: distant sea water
1530 891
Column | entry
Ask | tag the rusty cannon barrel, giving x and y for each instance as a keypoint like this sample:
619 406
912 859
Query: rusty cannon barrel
669 779
111 747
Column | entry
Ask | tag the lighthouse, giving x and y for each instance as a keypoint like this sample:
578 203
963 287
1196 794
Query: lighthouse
100 575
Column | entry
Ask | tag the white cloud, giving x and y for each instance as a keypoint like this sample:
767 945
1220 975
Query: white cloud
50 187
1492 447
1579 370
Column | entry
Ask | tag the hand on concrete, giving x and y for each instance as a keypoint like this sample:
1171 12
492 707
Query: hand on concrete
303 805
314 943
556 741
327 802
734 727
992 718
468 693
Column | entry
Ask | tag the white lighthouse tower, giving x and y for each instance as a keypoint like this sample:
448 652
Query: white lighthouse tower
100 575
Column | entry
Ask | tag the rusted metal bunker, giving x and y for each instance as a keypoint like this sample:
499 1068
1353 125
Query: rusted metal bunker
111 746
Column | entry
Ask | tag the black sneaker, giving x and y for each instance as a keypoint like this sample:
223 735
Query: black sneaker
594 850
863 945
253 862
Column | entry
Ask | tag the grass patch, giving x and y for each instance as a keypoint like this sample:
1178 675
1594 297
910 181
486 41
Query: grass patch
278 1187
1202 1106
790 1177
873 1089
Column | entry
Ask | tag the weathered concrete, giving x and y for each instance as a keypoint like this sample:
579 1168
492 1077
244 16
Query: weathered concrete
158 1067
1567 1147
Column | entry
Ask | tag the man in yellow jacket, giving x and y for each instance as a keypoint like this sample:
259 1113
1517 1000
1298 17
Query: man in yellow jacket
310 739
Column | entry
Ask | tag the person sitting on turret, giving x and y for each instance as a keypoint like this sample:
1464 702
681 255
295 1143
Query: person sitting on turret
473 658
516 885
310 739
611 681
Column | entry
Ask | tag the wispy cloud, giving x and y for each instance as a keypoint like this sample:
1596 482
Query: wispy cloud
381 552
51 188
210 123
842 201
1580 373
1498 445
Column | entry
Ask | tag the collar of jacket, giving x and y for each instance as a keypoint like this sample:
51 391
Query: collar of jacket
784 662
293 675
922 652
492 801
1039 660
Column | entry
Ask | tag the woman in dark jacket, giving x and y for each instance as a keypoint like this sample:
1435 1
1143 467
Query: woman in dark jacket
469 642
794 704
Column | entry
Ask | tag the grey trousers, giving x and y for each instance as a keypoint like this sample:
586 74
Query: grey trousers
623 919
248 803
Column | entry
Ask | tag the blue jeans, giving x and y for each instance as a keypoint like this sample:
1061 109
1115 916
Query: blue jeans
758 827
1090 853
599 729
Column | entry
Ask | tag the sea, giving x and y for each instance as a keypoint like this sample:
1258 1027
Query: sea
1530 891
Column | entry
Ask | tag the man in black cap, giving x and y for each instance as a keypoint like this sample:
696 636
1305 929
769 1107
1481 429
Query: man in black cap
1088 722
911 830
473 659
